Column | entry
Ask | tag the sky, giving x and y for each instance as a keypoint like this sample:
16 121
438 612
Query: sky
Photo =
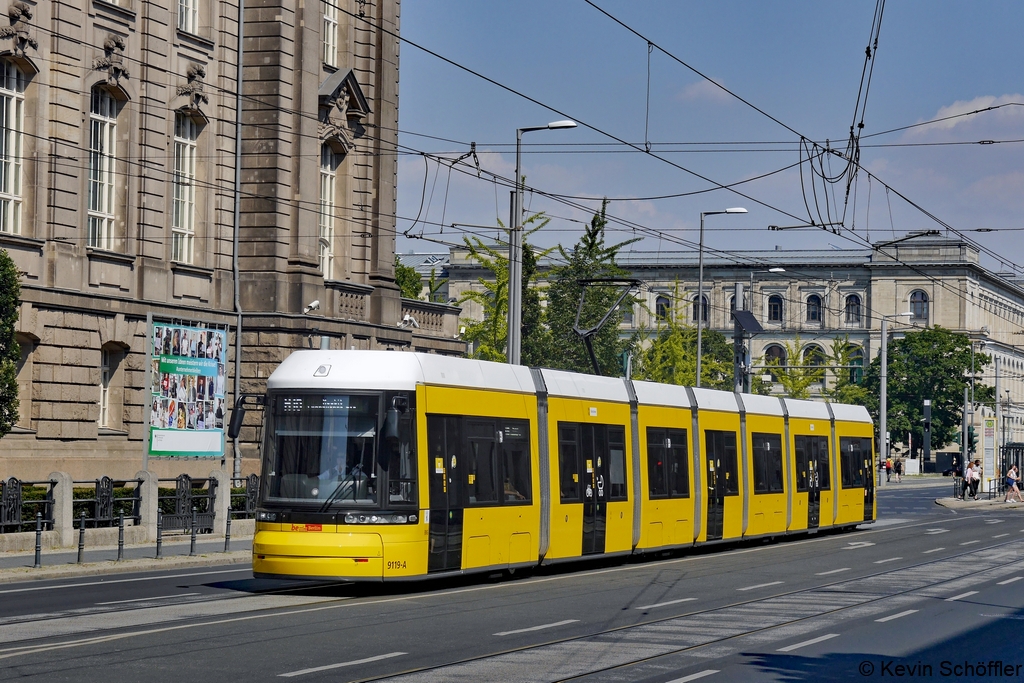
798 65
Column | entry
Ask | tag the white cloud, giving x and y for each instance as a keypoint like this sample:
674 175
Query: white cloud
1003 116
704 91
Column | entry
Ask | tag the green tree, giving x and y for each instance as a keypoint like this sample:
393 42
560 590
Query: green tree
845 386
930 364
10 352
434 285
801 371
671 356
490 335
408 280
589 258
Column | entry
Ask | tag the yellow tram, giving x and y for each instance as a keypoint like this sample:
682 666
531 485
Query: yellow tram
385 466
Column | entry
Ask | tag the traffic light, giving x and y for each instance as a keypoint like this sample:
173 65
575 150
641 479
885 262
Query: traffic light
956 439
972 439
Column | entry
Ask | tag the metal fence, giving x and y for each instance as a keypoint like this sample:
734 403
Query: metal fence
177 503
110 499
244 497
21 500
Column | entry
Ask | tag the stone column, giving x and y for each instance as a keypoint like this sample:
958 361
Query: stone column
63 515
222 501
150 490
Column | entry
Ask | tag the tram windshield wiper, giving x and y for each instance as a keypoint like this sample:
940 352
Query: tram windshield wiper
352 481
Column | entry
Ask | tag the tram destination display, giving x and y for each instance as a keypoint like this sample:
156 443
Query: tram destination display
187 382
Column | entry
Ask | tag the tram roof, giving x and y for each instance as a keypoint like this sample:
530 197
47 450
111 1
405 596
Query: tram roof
393 371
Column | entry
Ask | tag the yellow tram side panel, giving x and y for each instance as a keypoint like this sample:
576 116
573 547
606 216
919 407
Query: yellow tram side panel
566 535
851 501
766 512
666 522
806 427
491 536
732 524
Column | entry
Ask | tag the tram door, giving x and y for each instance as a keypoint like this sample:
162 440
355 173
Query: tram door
595 486
855 460
812 473
444 444
720 453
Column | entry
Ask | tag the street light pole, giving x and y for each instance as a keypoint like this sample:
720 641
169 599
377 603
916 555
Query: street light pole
700 280
883 408
515 248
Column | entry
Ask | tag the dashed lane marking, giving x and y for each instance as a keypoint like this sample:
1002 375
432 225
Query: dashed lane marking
328 667
537 628
693 677
933 550
891 559
962 595
853 545
159 597
812 641
1016 578
895 616
665 604
834 571
933 532
761 585
1000 535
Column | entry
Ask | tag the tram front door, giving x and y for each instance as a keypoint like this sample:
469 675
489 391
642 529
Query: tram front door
593 440
444 439
716 498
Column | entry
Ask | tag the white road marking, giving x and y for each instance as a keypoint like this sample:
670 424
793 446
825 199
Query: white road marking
537 628
895 616
962 595
933 532
994 521
891 559
970 542
246 570
1000 535
1016 578
760 585
812 641
340 665
933 550
664 604
693 677
857 544
159 597
834 571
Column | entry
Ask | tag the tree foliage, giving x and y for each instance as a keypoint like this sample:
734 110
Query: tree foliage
930 364
10 352
801 371
408 280
671 357
590 258
847 379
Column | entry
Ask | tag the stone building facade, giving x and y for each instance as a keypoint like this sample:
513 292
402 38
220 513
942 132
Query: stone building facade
118 201
819 296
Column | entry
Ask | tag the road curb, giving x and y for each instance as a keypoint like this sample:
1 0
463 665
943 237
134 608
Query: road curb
16 574
956 504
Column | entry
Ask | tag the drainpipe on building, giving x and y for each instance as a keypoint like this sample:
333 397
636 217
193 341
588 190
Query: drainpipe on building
235 454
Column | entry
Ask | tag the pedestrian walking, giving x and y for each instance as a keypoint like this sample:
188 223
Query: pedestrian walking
1012 477
975 470
888 469
898 468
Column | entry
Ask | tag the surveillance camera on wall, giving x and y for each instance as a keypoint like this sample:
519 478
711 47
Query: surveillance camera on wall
312 306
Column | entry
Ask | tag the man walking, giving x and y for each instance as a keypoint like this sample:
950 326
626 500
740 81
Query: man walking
888 469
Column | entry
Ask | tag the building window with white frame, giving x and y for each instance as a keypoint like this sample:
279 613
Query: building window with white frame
775 310
102 155
919 305
330 10
853 310
328 183
12 128
104 387
188 16
814 308
183 210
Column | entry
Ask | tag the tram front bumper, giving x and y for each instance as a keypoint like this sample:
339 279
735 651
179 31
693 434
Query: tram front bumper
318 555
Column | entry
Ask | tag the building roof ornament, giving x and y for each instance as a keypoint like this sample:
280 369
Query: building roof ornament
342 108
112 61
19 14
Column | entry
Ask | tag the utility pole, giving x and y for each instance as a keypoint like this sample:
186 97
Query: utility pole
927 451
737 342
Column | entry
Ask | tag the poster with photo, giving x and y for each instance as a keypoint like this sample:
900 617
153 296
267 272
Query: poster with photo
187 408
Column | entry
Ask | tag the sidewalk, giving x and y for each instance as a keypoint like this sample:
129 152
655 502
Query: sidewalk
983 502
915 480
63 563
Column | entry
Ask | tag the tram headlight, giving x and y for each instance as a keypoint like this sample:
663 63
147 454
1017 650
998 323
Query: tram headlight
390 518
264 516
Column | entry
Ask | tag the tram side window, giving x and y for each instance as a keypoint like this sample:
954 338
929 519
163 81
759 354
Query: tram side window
854 456
767 453
568 463
811 455
721 450
616 460
668 468
515 457
402 464
482 460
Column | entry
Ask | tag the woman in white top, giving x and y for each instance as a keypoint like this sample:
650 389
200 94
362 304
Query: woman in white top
1012 477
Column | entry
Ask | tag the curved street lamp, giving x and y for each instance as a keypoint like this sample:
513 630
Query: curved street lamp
700 279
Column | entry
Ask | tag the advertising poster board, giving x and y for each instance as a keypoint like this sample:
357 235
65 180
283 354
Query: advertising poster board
187 380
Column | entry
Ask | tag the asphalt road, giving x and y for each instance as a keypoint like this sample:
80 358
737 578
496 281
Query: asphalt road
925 587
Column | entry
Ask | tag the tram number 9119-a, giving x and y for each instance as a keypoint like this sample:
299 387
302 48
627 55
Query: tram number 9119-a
396 564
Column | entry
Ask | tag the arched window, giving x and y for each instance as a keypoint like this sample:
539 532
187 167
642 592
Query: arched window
102 157
12 128
774 355
703 309
328 183
814 357
814 308
919 305
775 308
853 309
732 303
662 308
855 356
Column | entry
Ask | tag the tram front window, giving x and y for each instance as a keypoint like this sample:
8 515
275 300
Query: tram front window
322 448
